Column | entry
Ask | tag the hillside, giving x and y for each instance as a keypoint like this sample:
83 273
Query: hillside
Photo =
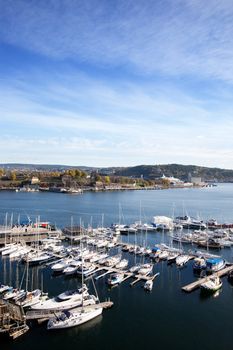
151 172
177 170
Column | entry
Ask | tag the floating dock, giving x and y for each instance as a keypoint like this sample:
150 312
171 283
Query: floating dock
194 285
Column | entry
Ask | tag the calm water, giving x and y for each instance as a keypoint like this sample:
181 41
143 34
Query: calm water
166 318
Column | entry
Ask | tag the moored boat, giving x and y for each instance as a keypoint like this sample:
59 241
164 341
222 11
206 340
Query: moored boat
215 264
148 285
212 284
115 278
73 318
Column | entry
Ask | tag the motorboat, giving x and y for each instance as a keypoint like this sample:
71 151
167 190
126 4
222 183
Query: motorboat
30 298
172 256
210 243
10 250
73 318
212 284
122 264
74 292
61 265
215 264
12 293
181 260
4 288
163 255
148 285
115 278
113 260
86 269
145 269
37 258
199 264
135 268
155 252
72 268
55 304
190 222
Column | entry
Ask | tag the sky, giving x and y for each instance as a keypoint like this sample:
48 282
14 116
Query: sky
116 82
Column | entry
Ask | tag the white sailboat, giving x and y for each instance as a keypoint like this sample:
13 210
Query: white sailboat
74 318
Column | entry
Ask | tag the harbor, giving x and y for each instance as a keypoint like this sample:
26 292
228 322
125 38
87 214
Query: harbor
112 262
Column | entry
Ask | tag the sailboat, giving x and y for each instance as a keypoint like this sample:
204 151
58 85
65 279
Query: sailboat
75 317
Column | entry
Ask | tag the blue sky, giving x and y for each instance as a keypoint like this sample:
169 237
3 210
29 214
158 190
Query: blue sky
116 82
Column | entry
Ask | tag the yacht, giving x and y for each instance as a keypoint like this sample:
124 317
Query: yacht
190 222
55 303
73 318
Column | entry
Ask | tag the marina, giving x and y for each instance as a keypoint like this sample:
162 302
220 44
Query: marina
166 265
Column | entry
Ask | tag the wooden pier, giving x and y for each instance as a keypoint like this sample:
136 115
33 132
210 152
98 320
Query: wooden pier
194 285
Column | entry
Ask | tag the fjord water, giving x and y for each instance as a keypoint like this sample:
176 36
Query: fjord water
165 318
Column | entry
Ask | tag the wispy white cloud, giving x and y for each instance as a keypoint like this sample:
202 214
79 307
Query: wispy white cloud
183 37
80 120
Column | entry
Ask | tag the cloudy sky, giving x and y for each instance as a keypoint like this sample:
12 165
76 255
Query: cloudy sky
116 82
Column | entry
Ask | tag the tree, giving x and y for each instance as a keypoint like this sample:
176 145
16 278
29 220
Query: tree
107 180
13 176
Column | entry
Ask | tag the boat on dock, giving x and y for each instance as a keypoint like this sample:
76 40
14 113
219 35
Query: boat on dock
213 284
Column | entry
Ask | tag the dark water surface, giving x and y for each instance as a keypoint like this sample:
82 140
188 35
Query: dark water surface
166 318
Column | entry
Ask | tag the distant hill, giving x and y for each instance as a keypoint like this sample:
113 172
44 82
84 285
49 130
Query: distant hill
45 167
182 172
